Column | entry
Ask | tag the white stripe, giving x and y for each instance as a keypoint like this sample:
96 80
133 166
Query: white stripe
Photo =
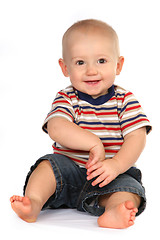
107 104
125 132
99 118
58 145
120 90
80 156
109 155
74 101
128 98
62 105
58 115
65 98
132 114
69 88
106 133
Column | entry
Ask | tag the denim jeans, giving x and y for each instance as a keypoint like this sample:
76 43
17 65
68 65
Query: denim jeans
74 191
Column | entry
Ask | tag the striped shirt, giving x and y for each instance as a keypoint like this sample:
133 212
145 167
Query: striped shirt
110 117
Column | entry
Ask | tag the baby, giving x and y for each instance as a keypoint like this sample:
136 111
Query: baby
99 131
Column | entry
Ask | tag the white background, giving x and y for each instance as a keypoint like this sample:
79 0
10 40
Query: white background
30 45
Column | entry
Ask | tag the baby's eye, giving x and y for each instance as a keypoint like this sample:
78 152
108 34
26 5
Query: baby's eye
80 62
102 60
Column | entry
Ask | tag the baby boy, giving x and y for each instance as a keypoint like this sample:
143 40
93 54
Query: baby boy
99 131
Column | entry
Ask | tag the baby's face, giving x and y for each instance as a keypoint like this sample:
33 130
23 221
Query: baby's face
92 62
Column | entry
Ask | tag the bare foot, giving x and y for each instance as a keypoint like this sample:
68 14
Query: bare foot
25 208
121 216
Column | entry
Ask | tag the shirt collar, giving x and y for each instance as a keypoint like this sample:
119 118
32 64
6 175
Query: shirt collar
97 101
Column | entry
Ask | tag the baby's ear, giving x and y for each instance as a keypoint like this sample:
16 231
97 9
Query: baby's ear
63 67
119 65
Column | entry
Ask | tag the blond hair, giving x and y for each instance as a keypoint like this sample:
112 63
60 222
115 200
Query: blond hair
95 26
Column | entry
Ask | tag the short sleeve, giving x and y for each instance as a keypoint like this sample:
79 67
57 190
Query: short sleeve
132 116
61 107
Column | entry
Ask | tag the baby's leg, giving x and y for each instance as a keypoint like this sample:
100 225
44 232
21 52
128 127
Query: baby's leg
41 185
120 209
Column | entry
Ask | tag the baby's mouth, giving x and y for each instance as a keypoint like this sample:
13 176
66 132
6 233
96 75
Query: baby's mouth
92 82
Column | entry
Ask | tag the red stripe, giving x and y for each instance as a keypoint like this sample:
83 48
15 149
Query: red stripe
74 96
60 101
61 150
120 99
113 98
68 150
101 128
99 114
133 123
94 113
126 95
131 108
112 144
79 161
63 94
111 151
76 160
61 112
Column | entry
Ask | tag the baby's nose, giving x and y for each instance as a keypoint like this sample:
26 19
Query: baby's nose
91 70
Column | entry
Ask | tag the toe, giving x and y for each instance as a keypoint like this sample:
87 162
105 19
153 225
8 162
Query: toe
129 205
18 198
131 223
133 213
14 198
135 210
132 218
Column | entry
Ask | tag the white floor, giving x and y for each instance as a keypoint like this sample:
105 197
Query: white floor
66 222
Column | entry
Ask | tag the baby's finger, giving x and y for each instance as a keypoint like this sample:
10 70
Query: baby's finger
94 167
90 163
105 182
99 179
95 173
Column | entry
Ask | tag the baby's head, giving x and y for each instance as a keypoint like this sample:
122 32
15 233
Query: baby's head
91 56
92 27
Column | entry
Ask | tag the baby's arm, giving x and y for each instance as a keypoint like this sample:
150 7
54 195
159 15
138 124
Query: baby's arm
132 148
70 135
109 169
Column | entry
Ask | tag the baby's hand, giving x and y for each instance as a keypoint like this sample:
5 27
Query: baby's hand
96 154
105 171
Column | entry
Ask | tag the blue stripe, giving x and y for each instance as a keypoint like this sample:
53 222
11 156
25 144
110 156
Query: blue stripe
120 94
76 106
94 108
58 98
99 123
59 108
134 118
72 92
129 103
111 139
